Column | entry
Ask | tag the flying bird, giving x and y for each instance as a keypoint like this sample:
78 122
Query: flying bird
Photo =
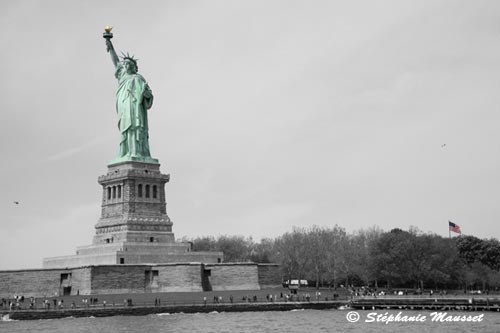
16 202
443 145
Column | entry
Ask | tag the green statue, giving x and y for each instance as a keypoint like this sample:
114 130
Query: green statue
133 99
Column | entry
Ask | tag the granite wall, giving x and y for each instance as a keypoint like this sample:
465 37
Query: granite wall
233 276
116 279
31 282
80 281
177 277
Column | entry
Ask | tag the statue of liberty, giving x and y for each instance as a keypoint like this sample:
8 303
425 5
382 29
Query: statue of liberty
133 99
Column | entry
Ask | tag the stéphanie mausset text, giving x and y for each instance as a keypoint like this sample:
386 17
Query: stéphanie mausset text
443 317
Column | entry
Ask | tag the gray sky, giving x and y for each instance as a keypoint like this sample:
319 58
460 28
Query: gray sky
267 115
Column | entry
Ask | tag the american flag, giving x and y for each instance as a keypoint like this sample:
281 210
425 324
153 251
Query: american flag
454 227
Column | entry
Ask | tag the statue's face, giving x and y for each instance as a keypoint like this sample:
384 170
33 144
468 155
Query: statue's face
129 67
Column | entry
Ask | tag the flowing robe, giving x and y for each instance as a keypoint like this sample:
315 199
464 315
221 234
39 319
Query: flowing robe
133 99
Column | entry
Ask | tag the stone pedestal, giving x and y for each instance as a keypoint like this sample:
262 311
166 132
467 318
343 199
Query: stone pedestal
133 205
134 227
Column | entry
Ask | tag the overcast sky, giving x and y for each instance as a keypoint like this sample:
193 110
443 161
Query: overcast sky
267 115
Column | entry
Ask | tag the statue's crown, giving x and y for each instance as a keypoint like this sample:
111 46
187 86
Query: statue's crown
129 57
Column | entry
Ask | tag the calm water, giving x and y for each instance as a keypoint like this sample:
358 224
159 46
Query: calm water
293 321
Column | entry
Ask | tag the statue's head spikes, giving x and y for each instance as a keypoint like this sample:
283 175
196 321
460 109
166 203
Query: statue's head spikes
130 58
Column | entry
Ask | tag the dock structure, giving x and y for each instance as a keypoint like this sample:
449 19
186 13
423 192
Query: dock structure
147 310
428 303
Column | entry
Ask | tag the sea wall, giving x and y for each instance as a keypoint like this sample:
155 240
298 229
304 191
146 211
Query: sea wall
143 310
233 276
119 279
178 277
81 281
32 282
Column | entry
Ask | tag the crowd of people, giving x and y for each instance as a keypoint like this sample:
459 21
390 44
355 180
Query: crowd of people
18 302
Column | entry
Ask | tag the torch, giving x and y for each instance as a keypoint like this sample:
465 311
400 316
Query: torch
107 35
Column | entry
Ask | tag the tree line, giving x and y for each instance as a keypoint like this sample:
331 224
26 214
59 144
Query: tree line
329 256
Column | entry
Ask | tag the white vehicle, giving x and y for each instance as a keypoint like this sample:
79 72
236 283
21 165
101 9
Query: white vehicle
295 284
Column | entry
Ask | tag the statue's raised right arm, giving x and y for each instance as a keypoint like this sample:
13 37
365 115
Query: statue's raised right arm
112 52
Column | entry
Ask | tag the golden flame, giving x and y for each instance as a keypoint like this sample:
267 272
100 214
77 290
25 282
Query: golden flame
108 29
